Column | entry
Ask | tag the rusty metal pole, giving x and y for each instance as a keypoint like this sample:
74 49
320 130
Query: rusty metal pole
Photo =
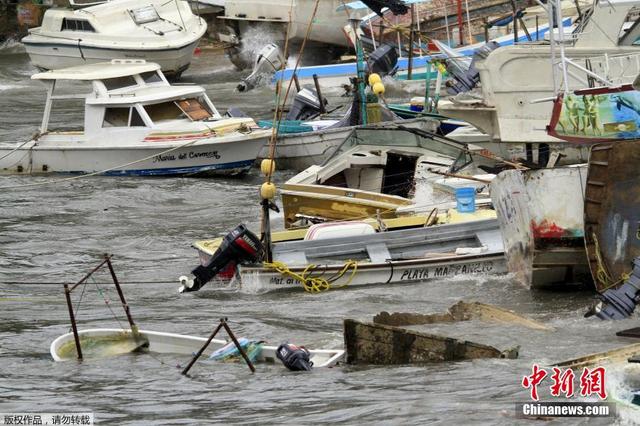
486 29
515 21
323 110
120 293
223 322
202 349
67 294
296 82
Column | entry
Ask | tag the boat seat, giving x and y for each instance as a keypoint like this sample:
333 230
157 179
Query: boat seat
291 257
378 252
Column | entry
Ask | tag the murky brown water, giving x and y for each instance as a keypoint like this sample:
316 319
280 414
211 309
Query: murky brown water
56 233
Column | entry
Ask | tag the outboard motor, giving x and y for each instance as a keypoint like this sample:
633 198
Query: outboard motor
464 80
619 303
268 61
383 61
295 358
239 246
305 105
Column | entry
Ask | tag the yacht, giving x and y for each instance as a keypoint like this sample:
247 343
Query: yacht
160 31
136 124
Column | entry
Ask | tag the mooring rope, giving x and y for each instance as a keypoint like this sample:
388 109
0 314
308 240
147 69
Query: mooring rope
56 181
315 284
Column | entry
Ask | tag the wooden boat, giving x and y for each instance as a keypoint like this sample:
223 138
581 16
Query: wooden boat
371 343
393 257
612 195
597 115
100 342
157 31
543 238
136 124
374 172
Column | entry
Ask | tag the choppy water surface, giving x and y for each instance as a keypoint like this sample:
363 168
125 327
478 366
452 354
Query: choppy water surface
56 233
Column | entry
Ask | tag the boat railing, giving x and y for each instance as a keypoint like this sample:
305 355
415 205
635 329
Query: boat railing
617 69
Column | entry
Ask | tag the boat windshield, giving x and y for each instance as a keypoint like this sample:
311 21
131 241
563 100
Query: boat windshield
397 138
119 82
194 109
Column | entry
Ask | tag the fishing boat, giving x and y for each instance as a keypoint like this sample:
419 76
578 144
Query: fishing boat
612 193
101 342
338 75
298 150
248 21
137 124
164 32
374 172
543 239
515 115
603 114
335 255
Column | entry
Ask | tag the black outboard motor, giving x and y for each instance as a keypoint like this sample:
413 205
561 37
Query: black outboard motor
239 245
305 105
465 80
383 60
619 303
295 358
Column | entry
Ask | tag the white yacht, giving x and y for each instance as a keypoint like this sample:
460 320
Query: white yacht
160 31
135 123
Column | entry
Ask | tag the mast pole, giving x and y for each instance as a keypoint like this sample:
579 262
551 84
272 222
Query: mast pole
47 108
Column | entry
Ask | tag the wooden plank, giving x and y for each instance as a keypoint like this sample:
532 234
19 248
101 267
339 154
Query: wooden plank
381 344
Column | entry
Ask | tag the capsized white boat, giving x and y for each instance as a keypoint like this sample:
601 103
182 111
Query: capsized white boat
101 342
136 124
165 32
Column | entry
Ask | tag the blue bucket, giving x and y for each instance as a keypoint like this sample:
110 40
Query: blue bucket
466 200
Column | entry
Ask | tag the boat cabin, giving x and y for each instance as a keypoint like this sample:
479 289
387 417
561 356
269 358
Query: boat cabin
386 161
129 94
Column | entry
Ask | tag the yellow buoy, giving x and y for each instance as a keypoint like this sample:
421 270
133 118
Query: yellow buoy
378 89
268 191
267 167
373 79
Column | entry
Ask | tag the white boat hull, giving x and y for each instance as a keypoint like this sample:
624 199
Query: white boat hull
301 150
208 157
259 279
170 343
50 55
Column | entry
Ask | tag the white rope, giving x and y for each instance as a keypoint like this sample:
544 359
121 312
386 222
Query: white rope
56 181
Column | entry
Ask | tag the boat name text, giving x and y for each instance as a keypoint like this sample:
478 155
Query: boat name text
186 155
446 271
